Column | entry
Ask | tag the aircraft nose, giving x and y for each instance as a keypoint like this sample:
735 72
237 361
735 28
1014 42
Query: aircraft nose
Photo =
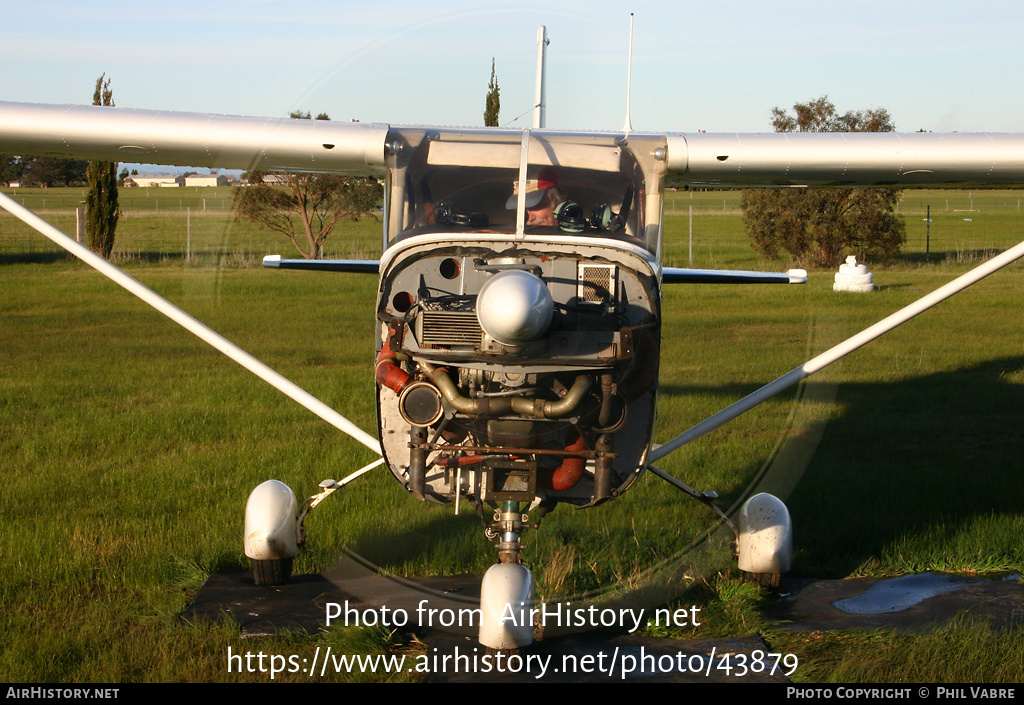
514 307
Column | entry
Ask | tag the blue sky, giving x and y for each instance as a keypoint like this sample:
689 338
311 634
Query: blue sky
718 66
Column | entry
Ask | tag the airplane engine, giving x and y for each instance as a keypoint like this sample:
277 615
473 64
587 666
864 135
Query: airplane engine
517 374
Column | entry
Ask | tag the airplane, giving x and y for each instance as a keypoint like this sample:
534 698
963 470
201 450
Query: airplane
519 299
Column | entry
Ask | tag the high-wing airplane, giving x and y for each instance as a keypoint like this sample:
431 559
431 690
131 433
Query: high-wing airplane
519 303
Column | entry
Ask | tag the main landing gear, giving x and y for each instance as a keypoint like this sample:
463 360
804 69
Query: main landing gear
764 538
271 532
274 532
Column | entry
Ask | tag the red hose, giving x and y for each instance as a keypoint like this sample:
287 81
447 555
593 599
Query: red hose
566 475
389 374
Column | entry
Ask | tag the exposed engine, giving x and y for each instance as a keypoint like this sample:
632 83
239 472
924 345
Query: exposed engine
507 373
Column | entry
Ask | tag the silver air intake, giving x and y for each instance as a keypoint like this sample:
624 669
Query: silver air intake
514 307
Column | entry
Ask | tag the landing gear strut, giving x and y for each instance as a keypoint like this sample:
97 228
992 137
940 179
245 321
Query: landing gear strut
274 526
764 537
507 591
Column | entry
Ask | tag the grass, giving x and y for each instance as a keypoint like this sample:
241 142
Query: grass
193 226
129 447
962 651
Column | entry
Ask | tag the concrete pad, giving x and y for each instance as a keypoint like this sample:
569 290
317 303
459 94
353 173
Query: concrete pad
303 603
912 603
594 656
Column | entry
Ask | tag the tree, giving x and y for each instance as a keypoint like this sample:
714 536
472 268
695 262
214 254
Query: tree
43 171
493 104
317 201
818 226
101 209
52 171
11 169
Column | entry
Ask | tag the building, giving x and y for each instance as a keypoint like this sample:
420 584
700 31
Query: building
206 180
167 180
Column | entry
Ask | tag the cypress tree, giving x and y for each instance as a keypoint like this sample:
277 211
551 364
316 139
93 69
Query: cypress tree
493 104
101 209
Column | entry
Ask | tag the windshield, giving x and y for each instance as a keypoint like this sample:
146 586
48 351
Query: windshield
589 185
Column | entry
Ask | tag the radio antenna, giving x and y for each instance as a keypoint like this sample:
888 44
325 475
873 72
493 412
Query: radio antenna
540 100
628 126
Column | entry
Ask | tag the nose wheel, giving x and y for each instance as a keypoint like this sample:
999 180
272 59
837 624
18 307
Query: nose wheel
507 591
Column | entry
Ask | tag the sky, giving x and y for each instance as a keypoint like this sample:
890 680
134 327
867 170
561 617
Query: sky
715 66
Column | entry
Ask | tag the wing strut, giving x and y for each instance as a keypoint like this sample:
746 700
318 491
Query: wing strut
362 266
839 351
190 324
674 275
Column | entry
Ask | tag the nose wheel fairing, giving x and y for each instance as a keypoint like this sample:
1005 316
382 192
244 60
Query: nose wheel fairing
563 415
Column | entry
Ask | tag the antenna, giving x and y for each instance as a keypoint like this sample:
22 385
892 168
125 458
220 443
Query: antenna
540 102
628 126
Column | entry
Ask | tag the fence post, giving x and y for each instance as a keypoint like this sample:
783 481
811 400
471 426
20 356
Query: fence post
928 234
80 222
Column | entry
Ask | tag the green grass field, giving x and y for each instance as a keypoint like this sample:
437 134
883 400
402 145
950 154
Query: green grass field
130 447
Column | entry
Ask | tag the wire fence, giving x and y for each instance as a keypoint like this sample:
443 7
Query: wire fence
197 222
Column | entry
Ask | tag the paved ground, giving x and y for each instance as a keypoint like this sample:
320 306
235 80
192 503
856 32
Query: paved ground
911 603
559 657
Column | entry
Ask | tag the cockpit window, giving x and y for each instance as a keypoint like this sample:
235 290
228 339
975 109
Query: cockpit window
577 184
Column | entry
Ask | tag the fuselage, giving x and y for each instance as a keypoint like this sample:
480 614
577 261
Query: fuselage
517 355
566 413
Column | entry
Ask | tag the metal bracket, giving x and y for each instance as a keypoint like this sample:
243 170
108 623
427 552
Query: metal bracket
329 488
708 497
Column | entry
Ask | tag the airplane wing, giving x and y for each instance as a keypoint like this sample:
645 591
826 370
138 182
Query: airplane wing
192 139
847 159
283 144
783 159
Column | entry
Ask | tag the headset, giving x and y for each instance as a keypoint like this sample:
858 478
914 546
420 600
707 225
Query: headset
451 214
569 215
570 218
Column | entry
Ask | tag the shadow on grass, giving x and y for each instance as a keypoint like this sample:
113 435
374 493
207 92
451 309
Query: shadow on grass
915 466
35 258
445 532
925 473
